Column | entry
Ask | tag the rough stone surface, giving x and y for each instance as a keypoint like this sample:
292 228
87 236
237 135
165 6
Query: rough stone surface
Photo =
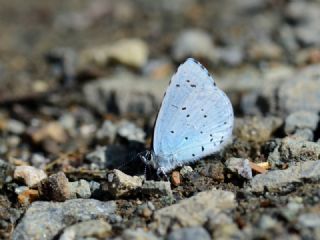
44 220
256 129
79 189
301 120
189 234
92 228
278 180
125 93
161 188
55 187
240 166
293 150
120 184
30 175
302 92
194 211
311 220
6 172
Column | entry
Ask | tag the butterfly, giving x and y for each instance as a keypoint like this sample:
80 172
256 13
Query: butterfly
195 119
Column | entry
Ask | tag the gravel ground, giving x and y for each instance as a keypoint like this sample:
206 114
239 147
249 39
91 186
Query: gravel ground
81 85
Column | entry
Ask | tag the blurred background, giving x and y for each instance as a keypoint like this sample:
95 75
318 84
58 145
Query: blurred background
70 69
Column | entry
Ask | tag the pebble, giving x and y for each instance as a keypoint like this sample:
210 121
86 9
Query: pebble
129 52
301 92
44 220
98 157
194 211
311 220
280 180
97 228
79 189
294 150
29 175
214 171
130 131
28 196
120 184
193 43
153 188
240 166
107 132
138 234
175 178
55 187
301 120
256 129
189 234
52 130
125 93
185 171
265 51
15 126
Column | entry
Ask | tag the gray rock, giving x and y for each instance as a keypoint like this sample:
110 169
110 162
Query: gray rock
194 211
301 120
39 161
95 188
301 92
137 234
6 172
193 42
189 234
98 157
15 126
294 150
240 166
130 131
231 56
107 132
29 175
256 129
125 93
93 228
160 188
304 134
120 184
55 187
311 220
79 189
185 171
44 220
278 180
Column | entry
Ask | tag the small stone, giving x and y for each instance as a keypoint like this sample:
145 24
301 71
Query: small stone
301 120
130 131
256 129
195 43
55 187
107 132
278 180
130 52
303 134
160 188
185 171
79 189
265 51
145 211
30 175
194 211
311 220
175 178
97 228
45 220
240 166
300 93
294 150
120 184
138 234
95 189
98 157
51 130
189 234
15 126
28 196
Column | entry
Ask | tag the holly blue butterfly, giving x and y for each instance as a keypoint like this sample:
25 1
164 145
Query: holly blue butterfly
195 119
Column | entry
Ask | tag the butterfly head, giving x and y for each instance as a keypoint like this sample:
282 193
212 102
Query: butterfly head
148 158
